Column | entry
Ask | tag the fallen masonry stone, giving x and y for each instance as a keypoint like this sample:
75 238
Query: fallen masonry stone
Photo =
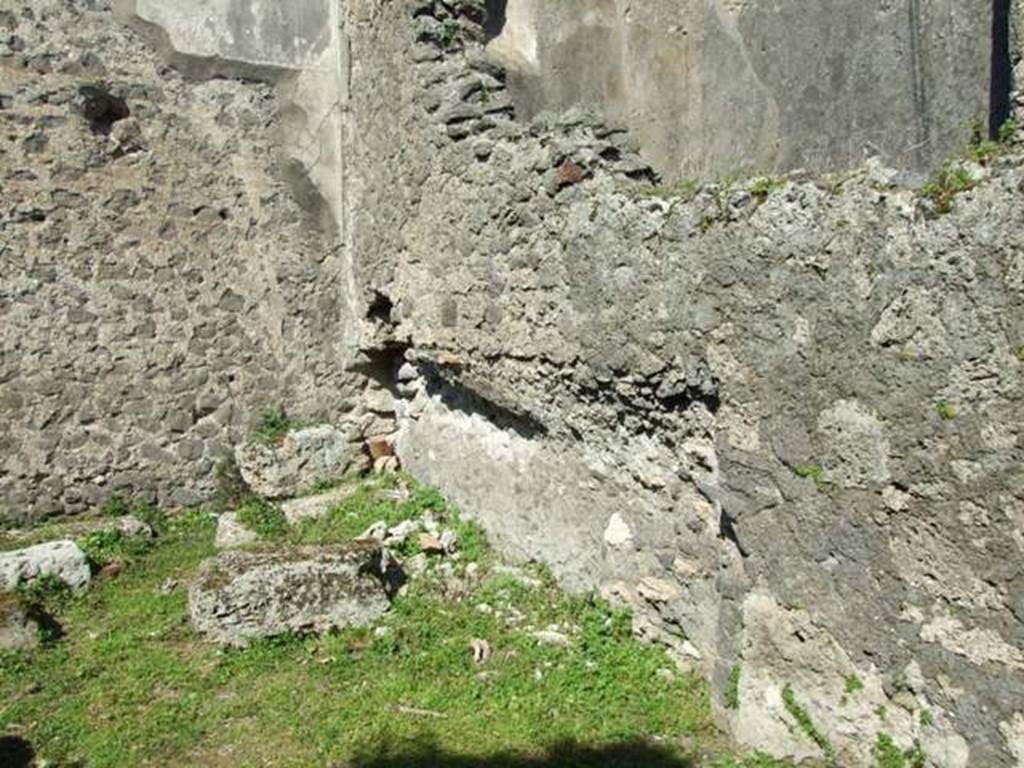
431 544
386 464
313 507
449 541
551 637
133 528
299 460
244 595
231 533
376 532
18 630
60 559
397 534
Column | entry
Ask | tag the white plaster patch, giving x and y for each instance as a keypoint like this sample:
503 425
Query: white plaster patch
980 646
617 534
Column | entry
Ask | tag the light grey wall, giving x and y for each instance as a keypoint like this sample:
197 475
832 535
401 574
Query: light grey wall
710 88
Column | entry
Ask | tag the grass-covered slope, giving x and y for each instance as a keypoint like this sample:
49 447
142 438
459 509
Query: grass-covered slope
129 684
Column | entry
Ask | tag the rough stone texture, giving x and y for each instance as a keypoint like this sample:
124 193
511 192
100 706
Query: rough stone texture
303 457
239 596
231 534
726 411
18 630
158 285
712 87
729 410
60 559
313 507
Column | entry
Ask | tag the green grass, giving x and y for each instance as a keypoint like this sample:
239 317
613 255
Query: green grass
951 180
853 684
946 184
815 473
889 755
684 190
266 519
763 186
732 689
805 723
272 426
131 685
947 411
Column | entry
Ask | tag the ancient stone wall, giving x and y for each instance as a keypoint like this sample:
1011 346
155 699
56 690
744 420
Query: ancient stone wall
780 419
159 284
712 88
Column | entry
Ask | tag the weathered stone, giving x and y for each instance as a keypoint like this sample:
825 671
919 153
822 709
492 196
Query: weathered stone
232 534
180 355
380 446
62 560
431 544
449 541
301 458
799 396
133 528
552 637
313 507
397 534
239 596
18 630
781 98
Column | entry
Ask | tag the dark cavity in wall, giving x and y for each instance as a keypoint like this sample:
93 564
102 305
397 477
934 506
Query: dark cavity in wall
1002 68
458 396
381 365
495 20
380 308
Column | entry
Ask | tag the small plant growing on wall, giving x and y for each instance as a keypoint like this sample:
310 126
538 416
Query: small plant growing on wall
272 426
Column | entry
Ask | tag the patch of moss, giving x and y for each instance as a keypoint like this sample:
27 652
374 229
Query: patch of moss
853 684
947 411
814 472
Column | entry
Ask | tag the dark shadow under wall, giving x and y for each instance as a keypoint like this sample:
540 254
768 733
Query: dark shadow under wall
16 753
424 754
1001 84
495 21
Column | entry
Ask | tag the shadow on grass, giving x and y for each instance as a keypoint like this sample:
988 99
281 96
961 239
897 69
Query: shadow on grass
635 754
16 753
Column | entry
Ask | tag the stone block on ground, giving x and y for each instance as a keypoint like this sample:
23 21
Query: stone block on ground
18 630
60 559
133 528
231 533
314 507
240 596
303 457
